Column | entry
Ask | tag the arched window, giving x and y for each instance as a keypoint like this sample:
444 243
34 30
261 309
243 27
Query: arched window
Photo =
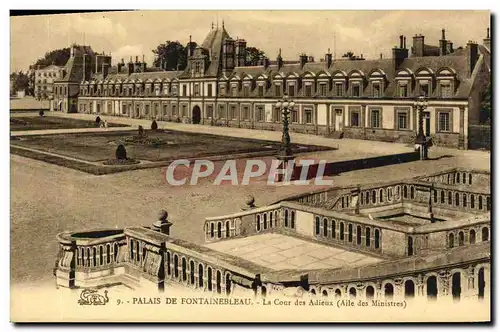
191 272
108 253
219 230
388 291
94 256
168 263
461 238
464 200
412 192
271 220
325 227
389 194
409 289
218 282
370 292
228 229
410 246
228 284
457 178
209 279
481 283
333 229
352 292
449 198
381 195
480 201
374 197
470 178
485 234
341 230
101 255
313 292
358 235
212 230
265 220
176 266
292 221
200 275
456 285
451 238
184 269
405 191
442 196
367 237
325 293
286 218
488 203
463 178
472 201
349 230
432 289
338 293
317 226
457 199
258 223
472 236
435 196
377 238
116 251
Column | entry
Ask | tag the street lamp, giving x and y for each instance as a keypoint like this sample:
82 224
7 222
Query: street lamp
285 153
421 104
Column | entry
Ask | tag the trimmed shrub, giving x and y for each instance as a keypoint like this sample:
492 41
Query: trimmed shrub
98 120
41 113
154 125
121 152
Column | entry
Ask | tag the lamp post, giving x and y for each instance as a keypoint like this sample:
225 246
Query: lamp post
285 153
421 142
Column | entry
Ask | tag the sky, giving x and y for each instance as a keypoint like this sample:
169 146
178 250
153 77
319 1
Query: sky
137 33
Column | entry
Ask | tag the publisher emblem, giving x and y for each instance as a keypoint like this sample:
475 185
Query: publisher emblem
92 297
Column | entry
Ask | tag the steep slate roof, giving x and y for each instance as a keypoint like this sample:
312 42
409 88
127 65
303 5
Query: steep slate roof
74 69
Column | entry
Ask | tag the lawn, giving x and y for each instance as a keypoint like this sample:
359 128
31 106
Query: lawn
97 147
51 122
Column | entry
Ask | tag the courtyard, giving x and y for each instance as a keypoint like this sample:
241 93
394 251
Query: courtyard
47 199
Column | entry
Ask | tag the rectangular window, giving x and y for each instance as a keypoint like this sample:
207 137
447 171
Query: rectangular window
355 119
184 110
196 90
209 90
446 90
261 91
308 116
402 121
259 114
277 115
294 116
210 111
308 91
322 89
165 110
184 90
444 121
376 90
221 114
146 111
277 90
234 113
356 90
291 90
174 110
222 90
403 90
375 118
234 91
246 113
174 90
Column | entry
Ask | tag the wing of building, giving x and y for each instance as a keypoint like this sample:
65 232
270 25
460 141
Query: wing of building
352 98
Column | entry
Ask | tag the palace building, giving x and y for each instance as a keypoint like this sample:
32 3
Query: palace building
351 98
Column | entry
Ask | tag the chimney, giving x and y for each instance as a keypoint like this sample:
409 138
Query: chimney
472 56
104 69
131 66
303 60
443 43
279 60
487 40
189 47
449 47
120 66
398 56
328 59
84 65
136 59
418 46
143 58
404 42
401 39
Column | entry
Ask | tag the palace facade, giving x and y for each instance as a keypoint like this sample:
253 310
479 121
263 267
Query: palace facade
352 98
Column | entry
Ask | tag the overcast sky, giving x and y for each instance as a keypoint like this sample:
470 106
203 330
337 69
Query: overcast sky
125 34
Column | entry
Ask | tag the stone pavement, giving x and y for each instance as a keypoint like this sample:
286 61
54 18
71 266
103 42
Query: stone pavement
281 252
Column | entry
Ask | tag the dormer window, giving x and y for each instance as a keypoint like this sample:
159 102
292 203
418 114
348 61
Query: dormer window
234 91
446 90
277 90
322 89
174 90
261 91
222 90
246 91
339 90
356 90
291 90
376 89
308 91
424 88
403 90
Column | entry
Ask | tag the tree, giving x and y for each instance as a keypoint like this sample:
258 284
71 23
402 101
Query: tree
172 55
485 114
20 81
154 125
57 57
253 56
